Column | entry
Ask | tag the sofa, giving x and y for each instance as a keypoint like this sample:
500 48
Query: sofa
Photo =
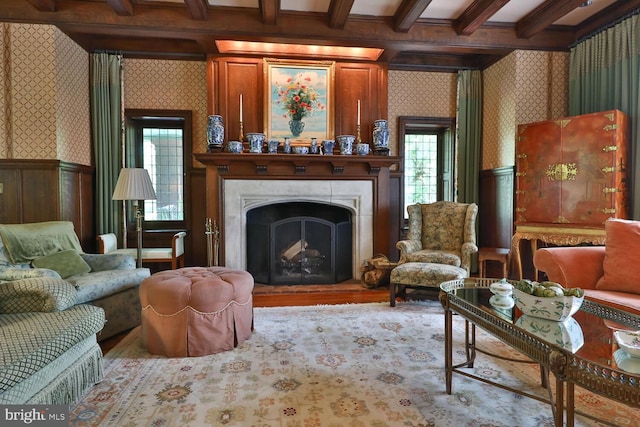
49 352
609 274
52 249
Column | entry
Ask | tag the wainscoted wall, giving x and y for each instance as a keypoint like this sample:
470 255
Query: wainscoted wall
45 95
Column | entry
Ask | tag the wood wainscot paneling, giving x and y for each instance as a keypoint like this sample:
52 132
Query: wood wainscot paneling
495 217
228 77
48 190
196 243
367 83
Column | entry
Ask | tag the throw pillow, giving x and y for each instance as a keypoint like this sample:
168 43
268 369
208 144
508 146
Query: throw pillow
621 266
44 295
66 263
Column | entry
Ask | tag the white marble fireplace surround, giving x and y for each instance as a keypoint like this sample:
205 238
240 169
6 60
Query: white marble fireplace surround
241 195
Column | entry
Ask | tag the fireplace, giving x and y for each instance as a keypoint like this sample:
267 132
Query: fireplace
238 183
242 196
299 243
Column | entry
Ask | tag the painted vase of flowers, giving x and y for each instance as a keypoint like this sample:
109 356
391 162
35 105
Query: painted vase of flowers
299 100
215 131
296 127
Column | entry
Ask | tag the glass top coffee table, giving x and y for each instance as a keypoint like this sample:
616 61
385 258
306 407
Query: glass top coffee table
583 353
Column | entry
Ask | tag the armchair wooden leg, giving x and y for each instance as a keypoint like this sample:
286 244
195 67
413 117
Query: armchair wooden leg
392 294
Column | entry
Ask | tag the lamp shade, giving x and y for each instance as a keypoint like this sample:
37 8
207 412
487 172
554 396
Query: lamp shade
134 184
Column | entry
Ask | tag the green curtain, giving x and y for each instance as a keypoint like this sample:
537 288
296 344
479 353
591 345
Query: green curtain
106 127
469 125
604 74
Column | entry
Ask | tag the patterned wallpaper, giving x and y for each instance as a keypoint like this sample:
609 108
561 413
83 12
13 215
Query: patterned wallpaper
45 95
73 110
33 92
421 94
524 87
5 105
169 85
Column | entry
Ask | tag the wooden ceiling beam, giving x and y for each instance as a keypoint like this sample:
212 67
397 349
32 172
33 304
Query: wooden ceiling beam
339 11
44 5
198 9
229 23
477 14
270 11
408 13
543 16
121 7
606 16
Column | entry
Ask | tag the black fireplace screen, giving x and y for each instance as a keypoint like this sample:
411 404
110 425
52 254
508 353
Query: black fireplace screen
299 243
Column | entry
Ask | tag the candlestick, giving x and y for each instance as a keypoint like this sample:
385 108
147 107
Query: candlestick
358 140
241 108
358 123
241 136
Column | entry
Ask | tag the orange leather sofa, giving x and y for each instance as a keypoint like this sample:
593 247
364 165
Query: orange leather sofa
582 267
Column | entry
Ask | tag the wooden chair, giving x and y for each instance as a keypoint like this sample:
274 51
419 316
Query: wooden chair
108 243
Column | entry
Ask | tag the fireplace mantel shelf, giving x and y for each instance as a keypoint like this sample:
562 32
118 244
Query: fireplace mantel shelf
284 165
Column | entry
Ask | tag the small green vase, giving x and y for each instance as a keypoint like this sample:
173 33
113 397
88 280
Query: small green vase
296 126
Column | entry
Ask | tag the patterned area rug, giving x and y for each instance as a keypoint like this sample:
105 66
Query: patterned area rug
341 365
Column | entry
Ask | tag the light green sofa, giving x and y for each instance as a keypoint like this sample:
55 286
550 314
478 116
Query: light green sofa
109 281
49 352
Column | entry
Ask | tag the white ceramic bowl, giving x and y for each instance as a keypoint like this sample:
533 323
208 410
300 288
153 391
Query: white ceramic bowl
300 149
629 341
553 308
567 334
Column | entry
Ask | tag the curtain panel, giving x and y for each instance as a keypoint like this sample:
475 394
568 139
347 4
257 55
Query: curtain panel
604 74
107 114
469 125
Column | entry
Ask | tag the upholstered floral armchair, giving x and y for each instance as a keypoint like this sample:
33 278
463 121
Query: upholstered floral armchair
440 233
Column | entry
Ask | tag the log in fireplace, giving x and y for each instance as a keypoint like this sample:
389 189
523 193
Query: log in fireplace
299 243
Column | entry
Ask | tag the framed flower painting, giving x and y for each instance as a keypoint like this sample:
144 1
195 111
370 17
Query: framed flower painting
299 99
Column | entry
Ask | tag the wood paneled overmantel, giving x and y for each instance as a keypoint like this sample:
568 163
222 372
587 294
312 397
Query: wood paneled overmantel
223 166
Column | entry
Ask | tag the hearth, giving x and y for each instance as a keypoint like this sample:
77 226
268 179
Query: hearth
299 243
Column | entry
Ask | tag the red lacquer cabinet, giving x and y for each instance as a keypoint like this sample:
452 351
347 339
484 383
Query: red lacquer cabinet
571 175
572 170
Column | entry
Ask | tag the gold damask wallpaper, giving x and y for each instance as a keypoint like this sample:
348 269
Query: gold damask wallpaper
5 106
420 94
45 95
524 87
169 85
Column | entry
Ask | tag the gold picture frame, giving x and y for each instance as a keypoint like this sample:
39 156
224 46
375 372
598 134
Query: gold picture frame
299 92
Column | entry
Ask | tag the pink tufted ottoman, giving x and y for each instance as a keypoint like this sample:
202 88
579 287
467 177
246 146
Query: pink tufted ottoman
196 311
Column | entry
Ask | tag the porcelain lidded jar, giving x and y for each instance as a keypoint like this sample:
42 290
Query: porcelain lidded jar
380 134
215 131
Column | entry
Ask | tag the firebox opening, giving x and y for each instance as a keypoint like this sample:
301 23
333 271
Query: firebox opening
299 243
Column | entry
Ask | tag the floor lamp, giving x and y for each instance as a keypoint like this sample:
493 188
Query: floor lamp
134 184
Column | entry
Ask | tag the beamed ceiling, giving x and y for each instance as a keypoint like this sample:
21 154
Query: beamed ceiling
435 35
